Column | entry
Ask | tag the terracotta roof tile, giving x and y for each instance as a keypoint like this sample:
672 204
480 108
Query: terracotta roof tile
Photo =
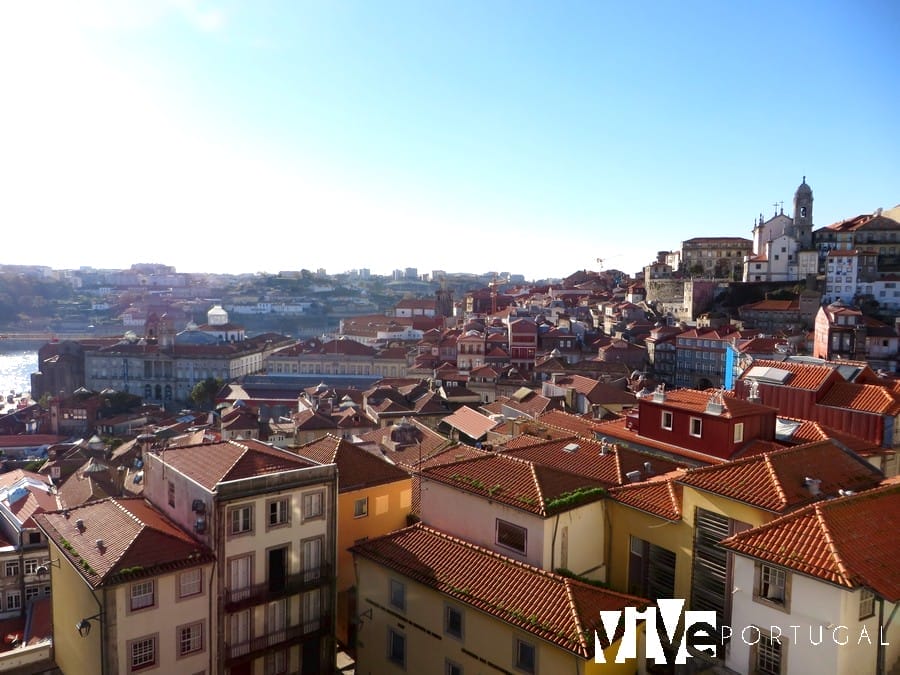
138 540
213 463
470 422
871 398
843 541
659 496
560 610
777 481
693 400
598 461
809 376
516 482
357 468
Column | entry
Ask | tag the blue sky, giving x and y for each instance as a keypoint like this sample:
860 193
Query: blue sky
528 137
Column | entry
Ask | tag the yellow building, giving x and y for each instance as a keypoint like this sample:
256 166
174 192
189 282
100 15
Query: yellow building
130 591
432 603
374 498
664 534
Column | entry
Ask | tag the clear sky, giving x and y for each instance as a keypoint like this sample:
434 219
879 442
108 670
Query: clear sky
530 137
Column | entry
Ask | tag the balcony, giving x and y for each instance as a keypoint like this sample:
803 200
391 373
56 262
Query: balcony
242 652
237 599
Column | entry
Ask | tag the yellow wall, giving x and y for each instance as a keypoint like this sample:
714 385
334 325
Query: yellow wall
626 522
489 639
72 601
388 506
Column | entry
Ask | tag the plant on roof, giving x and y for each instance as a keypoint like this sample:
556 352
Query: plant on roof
473 482
564 572
575 497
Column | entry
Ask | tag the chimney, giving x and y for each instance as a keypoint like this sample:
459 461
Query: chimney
814 485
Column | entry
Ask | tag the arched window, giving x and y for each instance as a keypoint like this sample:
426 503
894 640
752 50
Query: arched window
158 392
148 391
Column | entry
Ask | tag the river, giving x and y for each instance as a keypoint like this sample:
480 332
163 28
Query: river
16 367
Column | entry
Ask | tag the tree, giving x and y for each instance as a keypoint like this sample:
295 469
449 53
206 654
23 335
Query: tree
204 393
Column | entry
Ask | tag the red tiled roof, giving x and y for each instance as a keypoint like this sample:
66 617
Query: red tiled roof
777 481
516 482
138 540
871 398
842 541
470 422
427 443
659 496
213 463
809 376
357 468
810 431
696 401
559 419
560 610
24 494
607 463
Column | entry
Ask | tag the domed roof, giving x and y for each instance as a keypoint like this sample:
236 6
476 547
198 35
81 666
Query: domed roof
804 189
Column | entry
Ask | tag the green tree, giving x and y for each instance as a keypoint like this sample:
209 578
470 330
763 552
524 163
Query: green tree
204 393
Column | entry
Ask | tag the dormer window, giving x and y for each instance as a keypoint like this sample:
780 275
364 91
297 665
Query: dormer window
667 420
696 428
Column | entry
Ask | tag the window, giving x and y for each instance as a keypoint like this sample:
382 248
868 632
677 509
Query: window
13 600
31 566
142 652
511 536
398 595
866 604
190 583
361 507
279 512
696 427
171 493
453 621
241 519
12 568
276 663
34 538
32 592
667 420
190 638
396 647
768 655
312 505
772 584
452 668
525 656
739 432
142 595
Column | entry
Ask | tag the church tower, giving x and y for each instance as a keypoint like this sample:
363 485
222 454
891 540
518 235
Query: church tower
803 221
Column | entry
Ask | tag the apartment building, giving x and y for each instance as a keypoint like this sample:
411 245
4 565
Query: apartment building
269 517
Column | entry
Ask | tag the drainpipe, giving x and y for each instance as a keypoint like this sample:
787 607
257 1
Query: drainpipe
101 619
553 545
213 614
882 630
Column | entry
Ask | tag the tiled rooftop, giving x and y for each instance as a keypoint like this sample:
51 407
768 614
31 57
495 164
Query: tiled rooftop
660 496
809 376
560 610
777 481
470 422
516 482
357 468
137 540
844 541
871 398
604 462
214 463
693 400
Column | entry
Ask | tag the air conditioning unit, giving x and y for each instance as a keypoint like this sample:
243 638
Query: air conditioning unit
200 525
198 506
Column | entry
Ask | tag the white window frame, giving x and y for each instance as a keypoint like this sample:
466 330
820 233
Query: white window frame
188 580
13 600
866 604
739 432
12 568
139 600
278 510
31 566
500 523
143 653
667 420
361 508
314 505
189 638
240 520
699 424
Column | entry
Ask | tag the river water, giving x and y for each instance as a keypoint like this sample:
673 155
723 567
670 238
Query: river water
16 367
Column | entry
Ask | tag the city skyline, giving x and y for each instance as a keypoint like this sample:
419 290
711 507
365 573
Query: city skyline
461 136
